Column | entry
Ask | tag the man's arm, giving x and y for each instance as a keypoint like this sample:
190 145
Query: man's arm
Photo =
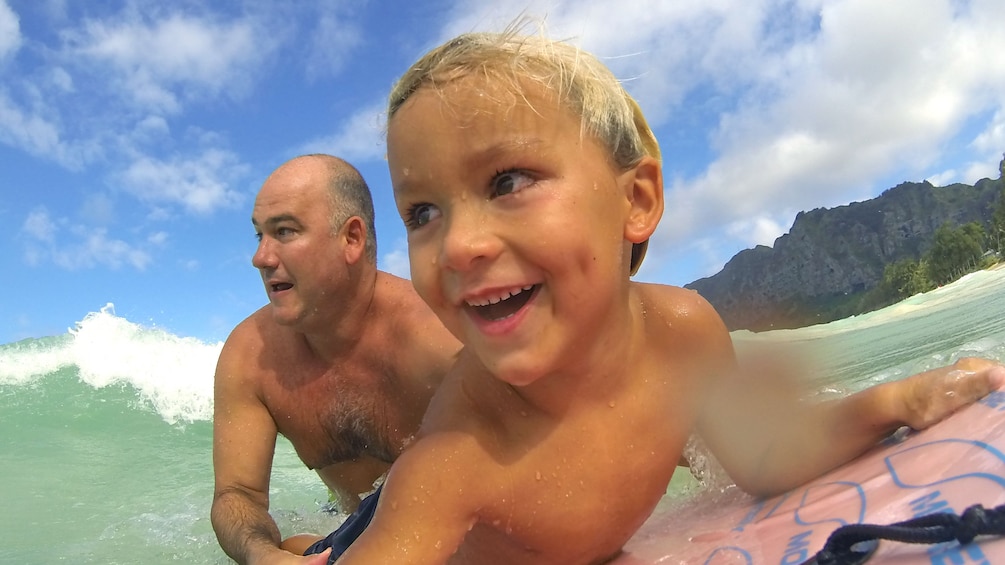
770 438
244 440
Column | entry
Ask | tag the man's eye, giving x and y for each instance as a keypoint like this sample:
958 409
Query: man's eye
508 182
420 215
258 236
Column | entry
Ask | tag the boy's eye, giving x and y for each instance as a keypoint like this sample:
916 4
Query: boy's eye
508 182
420 215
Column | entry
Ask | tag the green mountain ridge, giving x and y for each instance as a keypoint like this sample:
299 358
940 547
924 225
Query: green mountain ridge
832 257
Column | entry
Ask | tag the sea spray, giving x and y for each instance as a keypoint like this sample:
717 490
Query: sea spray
172 375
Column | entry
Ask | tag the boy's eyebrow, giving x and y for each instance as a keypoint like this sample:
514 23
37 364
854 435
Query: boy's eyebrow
275 219
502 148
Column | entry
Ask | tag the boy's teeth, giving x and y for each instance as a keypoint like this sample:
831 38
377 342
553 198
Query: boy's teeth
497 299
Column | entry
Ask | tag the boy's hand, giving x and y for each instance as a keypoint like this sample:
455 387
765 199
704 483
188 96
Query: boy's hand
926 398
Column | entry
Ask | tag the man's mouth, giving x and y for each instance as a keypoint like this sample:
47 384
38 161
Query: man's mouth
504 305
277 287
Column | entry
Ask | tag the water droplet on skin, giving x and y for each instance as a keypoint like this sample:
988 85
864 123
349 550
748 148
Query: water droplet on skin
611 404
394 505
537 475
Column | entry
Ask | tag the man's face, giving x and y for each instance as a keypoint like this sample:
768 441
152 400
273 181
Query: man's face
297 253
515 223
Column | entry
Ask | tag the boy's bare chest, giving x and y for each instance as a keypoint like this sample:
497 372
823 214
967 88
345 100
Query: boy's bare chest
584 486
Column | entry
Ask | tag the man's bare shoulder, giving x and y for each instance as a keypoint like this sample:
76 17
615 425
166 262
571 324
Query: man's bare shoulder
395 292
257 337
405 315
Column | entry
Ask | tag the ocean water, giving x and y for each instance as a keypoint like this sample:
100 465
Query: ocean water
106 432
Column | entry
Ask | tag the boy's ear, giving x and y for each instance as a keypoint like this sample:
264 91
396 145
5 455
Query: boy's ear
645 195
353 236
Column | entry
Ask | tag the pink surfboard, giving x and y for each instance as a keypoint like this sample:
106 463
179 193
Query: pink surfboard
949 467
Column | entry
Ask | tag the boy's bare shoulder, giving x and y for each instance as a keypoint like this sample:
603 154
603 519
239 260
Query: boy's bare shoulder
679 316
674 302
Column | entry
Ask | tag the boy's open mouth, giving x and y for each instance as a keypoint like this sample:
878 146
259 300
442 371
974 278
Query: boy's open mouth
504 307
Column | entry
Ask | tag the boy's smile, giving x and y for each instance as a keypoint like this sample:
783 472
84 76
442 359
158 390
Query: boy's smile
515 222
503 306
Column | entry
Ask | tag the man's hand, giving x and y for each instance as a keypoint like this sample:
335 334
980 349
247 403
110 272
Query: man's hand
926 398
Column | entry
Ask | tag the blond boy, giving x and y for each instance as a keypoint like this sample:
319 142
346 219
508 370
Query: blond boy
530 184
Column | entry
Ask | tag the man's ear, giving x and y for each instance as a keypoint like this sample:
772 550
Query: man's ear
645 194
353 236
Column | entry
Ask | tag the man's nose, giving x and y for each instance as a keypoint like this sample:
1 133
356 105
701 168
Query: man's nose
265 256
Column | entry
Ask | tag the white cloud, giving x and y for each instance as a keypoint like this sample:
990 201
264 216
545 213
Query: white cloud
361 137
96 249
32 131
39 225
88 247
200 184
158 239
396 261
61 80
10 31
992 139
879 89
157 64
944 178
333 39
98 208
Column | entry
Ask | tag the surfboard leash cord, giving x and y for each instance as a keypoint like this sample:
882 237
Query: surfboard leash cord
853 544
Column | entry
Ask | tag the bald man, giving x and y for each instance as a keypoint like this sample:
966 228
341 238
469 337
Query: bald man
342 361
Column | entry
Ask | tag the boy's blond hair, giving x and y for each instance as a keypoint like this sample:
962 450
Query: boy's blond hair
581 82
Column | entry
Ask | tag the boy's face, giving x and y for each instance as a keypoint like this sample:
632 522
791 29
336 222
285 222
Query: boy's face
516 224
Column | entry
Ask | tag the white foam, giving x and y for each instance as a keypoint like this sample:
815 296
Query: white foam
29 360
171 374
174 374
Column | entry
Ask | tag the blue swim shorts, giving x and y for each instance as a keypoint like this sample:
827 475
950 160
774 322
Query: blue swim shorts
342 538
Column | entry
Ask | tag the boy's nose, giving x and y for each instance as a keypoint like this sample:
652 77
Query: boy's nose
468 239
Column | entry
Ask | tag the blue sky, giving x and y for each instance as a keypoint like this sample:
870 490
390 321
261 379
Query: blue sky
134 134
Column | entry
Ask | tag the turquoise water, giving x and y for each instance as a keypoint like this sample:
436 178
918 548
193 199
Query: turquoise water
106 434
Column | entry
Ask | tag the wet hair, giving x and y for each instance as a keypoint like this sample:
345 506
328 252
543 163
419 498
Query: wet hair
581 83
348 196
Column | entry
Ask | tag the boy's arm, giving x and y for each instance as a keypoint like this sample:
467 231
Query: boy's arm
425 507
771 439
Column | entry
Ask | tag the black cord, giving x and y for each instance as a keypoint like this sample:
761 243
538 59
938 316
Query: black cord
854 543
